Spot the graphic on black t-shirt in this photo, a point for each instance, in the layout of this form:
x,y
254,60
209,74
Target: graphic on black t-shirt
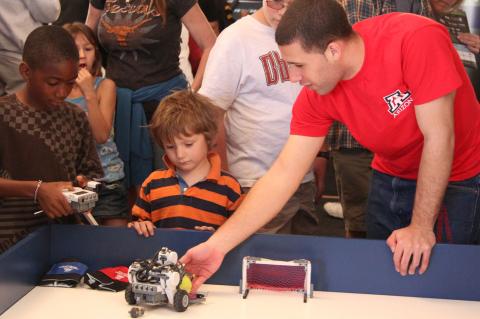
x,y
130,25
142,42
129,33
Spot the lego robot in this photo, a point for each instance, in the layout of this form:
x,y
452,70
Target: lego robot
x,y
159,281
82,200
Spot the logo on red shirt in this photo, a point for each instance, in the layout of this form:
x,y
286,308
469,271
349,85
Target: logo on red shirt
x,y
398,102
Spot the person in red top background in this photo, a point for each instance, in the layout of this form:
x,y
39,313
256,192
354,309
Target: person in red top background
x,y
400,87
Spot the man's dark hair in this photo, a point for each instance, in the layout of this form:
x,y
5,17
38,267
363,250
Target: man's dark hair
x,y
315,23
49,44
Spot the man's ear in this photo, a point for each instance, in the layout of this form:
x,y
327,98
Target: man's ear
x,y
24,70
333,51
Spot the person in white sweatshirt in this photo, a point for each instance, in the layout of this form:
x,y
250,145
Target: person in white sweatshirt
x,y
248,80
17,19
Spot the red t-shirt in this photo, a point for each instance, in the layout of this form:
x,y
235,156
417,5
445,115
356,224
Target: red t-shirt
x,y
408,62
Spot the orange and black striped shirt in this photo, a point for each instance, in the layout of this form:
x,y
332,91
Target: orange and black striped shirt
x,y
207,203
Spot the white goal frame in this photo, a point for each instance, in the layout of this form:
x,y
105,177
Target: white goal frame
x,y
307,286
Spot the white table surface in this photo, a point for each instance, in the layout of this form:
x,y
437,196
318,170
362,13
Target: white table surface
x,y
225,302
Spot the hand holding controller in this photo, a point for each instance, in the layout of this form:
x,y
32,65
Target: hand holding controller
x,y
82,200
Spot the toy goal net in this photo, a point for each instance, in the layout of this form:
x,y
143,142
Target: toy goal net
x,y
261,273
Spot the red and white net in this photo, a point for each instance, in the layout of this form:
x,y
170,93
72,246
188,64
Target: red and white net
x,y
267,274
275,277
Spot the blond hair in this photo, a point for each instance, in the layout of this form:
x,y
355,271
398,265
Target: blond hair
x,y
184,113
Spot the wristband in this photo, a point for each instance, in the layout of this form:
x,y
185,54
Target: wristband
x,y
36,190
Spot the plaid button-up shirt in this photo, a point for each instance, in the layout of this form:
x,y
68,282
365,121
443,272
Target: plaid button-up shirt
x,y
358,10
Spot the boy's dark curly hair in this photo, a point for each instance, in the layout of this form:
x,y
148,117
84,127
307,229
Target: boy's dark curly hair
x,y
49,44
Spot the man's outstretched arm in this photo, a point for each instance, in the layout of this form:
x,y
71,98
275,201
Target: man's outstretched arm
x,y
262,203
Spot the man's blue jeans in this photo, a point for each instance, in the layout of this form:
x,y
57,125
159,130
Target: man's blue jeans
x,y
390,205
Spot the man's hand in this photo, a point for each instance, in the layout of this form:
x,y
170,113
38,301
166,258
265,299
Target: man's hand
x,y
52,201
411,247
143,227
202,261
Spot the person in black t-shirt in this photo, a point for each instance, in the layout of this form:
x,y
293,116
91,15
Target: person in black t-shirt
x,y
142,40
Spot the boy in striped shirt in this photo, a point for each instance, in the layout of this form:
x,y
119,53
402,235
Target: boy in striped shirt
x,y
193,192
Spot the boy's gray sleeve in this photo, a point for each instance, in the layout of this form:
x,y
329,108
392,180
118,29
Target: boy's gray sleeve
x,y
43,11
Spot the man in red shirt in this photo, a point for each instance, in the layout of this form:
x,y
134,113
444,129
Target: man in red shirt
x,y
398,84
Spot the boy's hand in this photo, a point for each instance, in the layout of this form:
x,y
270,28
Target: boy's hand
x,y
205,228
82,180
143,227
51,199
85,82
